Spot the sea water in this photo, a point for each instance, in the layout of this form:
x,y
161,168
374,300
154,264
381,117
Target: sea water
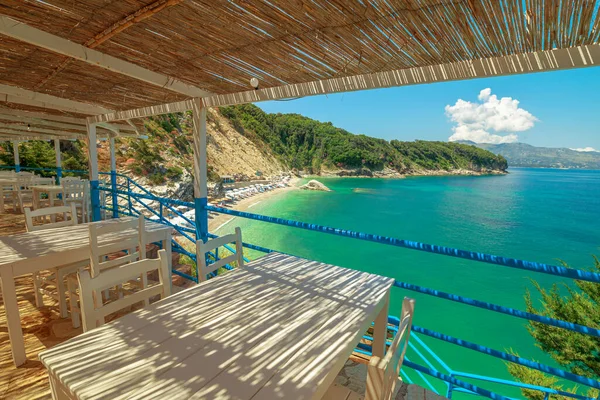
x,y
539,215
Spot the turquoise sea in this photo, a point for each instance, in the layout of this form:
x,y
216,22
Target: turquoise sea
x,y
533,214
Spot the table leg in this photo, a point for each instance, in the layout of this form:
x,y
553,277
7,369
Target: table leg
x,y
13,318
380,328
166,245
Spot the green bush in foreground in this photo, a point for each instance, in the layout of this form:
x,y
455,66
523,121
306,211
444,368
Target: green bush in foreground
x,y
580,354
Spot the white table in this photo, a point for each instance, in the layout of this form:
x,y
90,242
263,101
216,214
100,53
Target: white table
x,y
282,327
51,190
31,252
4,182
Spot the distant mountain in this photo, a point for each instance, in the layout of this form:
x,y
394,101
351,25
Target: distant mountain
x,y
525,155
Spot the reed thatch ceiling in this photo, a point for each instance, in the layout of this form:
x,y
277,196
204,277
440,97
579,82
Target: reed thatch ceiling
x,y
218,45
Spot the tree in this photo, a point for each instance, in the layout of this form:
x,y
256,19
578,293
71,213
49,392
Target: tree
x,y
575,352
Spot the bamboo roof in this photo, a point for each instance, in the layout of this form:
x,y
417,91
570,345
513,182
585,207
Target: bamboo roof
x,y
217,46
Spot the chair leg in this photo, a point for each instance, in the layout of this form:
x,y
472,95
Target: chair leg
x,y
37,287
72,290
62,293
144,286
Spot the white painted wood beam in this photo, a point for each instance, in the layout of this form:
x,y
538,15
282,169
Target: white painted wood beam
x,y
18,135
179,106
57,153
59,118
25,33
44,122
16,154
24,128
13,94
541,61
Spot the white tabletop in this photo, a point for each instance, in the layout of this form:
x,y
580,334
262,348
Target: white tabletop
x,y
281,327
34,247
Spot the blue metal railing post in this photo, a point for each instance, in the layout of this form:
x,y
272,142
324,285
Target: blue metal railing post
x,y
58,175
450,388
129,195
201,218
95,194
115,200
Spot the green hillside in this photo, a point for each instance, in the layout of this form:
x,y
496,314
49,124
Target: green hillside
x,y
310,145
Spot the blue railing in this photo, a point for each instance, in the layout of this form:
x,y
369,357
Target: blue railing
x,y
127,201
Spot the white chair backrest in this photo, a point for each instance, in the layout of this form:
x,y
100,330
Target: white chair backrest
x,y
383,373
70,178
41,181
46,212
73,189
123,239
92,308
203,248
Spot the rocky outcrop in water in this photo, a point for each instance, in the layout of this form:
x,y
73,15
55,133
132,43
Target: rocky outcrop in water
x,y
315,185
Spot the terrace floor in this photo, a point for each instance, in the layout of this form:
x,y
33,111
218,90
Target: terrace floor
x,y
43,328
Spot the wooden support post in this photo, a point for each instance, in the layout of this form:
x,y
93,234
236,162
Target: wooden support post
x,y
16,154
58,161
113,178
93,168
380,329
200,170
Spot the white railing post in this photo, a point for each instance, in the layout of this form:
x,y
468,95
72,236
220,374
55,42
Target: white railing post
x,y
93,168
16,154
58,161
200,170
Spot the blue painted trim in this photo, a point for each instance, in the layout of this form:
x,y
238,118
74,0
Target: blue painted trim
x,y
58,175
501,309
448,251
115,200
454,381
509,357
17,168
200,206
95,197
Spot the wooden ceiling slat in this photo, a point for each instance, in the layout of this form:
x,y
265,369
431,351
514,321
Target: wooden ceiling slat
x,y
219,45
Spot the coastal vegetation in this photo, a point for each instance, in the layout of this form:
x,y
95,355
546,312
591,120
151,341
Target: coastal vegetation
x,y
40,154
310,145
574,351
244,140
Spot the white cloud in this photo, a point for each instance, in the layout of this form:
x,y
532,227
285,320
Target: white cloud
x,y
491,120
587,149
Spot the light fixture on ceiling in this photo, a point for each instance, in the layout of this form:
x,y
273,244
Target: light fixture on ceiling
x,y
254,83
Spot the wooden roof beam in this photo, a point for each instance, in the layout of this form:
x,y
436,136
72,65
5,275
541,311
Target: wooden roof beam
x,y
23,128
13,94
541,61
59,118
28,34
179,106
18,135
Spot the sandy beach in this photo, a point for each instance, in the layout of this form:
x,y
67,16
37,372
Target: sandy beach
x,y
217,220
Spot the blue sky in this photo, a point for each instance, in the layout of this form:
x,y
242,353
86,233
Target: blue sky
x,y
565,103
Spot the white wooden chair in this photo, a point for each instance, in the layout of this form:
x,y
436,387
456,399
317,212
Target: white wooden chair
x,y
9,194
93,309
75,192
382,373
56,279
23,192
111,245
202,248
